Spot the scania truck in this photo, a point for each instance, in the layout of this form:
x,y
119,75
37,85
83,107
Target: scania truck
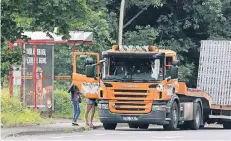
x,y
139,85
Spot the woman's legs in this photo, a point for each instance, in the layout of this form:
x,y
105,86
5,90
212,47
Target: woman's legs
x,y
86,114
90,106
76,111
92,114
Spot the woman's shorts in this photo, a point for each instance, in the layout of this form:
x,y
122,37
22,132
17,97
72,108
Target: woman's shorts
x,y
90,101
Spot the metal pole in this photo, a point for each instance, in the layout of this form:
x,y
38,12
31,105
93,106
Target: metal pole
x,y
120,37
73,48
22,79
74,59
11,72
35,78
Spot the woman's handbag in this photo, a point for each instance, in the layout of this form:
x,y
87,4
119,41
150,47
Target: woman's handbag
x,y
80,99
96,103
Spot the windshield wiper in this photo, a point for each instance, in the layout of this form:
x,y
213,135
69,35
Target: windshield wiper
x,y
143,80
116,79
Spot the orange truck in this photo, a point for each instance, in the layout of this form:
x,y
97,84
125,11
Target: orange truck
x,y
140,86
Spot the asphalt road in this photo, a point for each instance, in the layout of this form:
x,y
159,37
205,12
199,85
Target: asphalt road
x,y
124,133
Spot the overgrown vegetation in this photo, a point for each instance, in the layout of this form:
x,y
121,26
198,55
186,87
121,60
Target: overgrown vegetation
x,y
14,114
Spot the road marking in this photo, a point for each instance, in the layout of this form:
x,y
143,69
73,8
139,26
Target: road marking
x,y
122,133
167,137
110,134
98,134
66,136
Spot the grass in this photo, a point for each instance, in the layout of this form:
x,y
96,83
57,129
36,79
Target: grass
x,y
14,114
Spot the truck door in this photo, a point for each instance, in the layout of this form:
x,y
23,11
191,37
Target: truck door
x,y
87,86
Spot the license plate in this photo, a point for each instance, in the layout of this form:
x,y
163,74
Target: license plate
x,y
130,118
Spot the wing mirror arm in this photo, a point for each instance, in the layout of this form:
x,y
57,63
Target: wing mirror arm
x,y
101,61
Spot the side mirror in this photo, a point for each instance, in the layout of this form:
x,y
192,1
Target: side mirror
x,y
174,72
89,61
90,71
176,63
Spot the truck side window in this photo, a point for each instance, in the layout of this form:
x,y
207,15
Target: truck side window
x,y
168,65
80,66
81,63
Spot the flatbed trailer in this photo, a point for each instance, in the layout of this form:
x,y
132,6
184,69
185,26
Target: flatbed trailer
x,y
212,113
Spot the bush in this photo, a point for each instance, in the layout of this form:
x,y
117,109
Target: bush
x,y
63,106
14,114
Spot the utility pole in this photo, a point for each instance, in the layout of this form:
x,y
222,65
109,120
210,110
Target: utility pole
x,y
121,25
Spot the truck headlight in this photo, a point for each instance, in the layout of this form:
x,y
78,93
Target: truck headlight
x,y
103,106
160,87
158,107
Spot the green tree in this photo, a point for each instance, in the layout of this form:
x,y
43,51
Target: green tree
x,y
42,15
102,23
180,26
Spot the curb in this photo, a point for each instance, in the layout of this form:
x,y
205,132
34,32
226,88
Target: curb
x,y
55,131
47,131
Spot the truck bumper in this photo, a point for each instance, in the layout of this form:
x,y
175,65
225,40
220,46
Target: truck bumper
x,y
154,117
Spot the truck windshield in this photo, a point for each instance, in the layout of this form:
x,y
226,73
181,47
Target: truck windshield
x,y
133,69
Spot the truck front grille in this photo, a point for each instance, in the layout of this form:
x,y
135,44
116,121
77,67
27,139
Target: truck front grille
x,y
131,91
130,101
130,96
121,94
130,106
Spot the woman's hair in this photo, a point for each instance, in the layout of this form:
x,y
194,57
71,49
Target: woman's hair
x,y
75,88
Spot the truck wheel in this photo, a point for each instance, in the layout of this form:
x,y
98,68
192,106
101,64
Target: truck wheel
x,y
109,126
227,125
195,124
174,115
143,126
133,125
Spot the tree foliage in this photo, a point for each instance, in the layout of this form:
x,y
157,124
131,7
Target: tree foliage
x,y
181,25
174,24
43,15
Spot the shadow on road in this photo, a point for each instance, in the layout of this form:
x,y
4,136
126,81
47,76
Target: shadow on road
x,y
161,129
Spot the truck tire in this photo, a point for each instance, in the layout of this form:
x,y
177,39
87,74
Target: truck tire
x,y
109,126
174,115
133,125
195,123
143,126
227,125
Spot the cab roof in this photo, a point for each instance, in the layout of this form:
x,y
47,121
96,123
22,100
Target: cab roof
x,y
139,50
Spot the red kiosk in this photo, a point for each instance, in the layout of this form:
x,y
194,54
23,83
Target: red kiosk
x,y
38,44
